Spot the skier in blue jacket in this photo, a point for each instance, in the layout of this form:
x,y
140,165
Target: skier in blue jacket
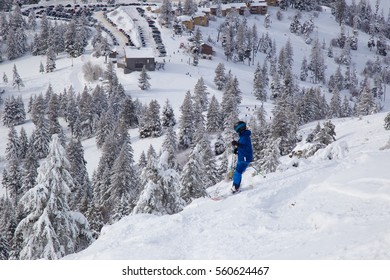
x,y
243,149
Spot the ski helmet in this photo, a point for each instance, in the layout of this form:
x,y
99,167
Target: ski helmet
x,y
240,126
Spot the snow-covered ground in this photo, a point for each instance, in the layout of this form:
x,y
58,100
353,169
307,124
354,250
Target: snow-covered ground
x,y
322,209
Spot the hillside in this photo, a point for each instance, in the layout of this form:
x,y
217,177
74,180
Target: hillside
x,y
322,209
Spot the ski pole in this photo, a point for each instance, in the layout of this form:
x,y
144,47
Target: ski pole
x,y
257,171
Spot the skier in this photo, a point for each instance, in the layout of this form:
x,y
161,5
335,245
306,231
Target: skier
x,y
244,152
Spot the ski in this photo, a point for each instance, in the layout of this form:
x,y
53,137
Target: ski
x,y
226,195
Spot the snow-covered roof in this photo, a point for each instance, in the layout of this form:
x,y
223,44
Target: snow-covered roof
x,y
131,52
259,4
198,14
184,18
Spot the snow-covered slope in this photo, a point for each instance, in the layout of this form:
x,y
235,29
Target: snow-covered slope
x,y
322,209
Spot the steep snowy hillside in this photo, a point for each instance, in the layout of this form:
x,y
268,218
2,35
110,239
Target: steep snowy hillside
x,y
325,208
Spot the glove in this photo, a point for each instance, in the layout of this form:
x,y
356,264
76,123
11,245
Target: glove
x,y
234,143
235,151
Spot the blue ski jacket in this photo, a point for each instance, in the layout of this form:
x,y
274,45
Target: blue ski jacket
x,y
244,149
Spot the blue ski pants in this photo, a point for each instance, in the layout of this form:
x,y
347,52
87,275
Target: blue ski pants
x,y
237,176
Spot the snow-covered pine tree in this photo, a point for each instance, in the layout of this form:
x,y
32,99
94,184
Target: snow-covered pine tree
x,y
23,143
41,139
12,180
5,78
4,248
317,64
191,178
51,60
81,194
284,126
29,171
14,113
41,68
104,128
186,123
269,159
161,188
38,109
168,115
53,114
128,114
170,146
16,80
211,176
220,76
366,104
189,7
143,80
12,149
50,229
124,184
166,13
304,69
258,85
150,125
142,161
327,134
200,94
387,122
335,104
230,101
213,123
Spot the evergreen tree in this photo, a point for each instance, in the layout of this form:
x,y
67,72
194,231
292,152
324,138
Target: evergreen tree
x,y
214,116
366,103
258,85
4,248
326,135
316,65
129,114
346,110
81,194
186,124
41,139
170,146
200,94
104,128
12,180
304,70
17,80
24,144
14,113
143,81
219,145
41,68
161,191
168,115
5,78
191,179
284,126
166,13
150,125
12,150
387,122
50,229
29,173
335,104
124,183
220,77
230,101
50,62
269,159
